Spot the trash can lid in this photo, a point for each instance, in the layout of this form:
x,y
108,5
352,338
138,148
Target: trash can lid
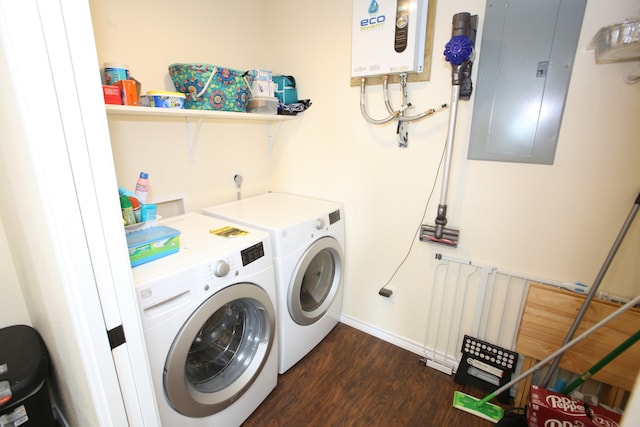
x,y
24,361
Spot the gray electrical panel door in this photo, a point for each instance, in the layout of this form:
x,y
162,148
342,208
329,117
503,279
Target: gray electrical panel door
x,y
527,53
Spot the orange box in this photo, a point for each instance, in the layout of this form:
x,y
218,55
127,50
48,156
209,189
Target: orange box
x,y
111,94
129,92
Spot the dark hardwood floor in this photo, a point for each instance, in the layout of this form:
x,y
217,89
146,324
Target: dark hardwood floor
x,y
355,379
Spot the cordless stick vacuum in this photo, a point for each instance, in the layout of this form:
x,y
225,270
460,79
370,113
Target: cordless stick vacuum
x,y
459,53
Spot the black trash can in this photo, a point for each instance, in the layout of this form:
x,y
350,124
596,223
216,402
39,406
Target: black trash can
x,y
24,367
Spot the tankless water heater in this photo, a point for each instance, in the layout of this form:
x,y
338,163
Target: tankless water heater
x,y
388,37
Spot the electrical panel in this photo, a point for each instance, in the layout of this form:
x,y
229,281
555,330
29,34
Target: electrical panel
x,y
525,65
388,37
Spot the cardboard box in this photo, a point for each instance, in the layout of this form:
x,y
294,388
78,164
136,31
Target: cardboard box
x,y
265,75
263,88
129,92
152,243
111,94
551,409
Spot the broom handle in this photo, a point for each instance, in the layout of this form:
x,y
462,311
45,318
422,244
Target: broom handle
x,y
561,350
594,287
603,362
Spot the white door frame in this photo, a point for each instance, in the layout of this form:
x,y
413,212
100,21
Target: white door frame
x,y
53,64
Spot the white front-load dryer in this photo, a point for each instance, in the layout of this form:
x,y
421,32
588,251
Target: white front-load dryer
x,y
308,246
209,320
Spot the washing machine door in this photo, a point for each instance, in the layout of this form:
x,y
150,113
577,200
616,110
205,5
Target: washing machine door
x,y
220,350
316,281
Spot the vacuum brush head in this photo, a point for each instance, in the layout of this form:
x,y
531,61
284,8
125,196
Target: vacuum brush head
x,y
445,236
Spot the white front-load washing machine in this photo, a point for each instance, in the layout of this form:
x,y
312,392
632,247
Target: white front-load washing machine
x,y
209,320
308,246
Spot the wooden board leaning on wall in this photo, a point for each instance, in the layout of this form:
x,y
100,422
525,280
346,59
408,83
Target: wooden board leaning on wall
x,y
547,317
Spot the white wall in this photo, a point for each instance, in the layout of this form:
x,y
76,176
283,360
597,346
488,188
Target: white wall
x,y
556,222
13,310
553,221
31,276
44,201
229,34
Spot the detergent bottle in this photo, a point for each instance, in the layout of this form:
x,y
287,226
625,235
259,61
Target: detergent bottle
x,y
142,187
127,210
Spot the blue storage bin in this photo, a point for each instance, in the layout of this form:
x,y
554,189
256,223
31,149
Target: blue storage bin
x,y
152,243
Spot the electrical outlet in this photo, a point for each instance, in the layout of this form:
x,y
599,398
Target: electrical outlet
x,y
391,299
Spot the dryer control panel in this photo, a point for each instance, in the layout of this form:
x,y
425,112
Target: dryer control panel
x,y
252,253
334,217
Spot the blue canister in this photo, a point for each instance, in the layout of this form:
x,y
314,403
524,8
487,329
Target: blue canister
x,y
164,99
114,72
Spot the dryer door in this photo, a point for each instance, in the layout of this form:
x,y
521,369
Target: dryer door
x,y
316,281
220,350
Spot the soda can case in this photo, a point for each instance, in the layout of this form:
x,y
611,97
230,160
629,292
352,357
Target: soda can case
x,y
551,409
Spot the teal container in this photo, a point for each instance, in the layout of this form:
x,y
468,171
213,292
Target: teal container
x,y
152,243
286,91
210,87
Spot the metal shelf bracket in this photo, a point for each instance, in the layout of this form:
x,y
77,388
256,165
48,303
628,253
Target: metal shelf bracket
x,y
272,133
193,130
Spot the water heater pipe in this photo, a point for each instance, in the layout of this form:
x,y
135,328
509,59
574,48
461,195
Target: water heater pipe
x,y
393,114
363,108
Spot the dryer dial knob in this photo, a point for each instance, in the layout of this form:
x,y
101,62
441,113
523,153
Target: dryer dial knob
x,y
319,224
221,269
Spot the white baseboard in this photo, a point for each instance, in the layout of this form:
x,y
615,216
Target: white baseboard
x,y
404,343
387,336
